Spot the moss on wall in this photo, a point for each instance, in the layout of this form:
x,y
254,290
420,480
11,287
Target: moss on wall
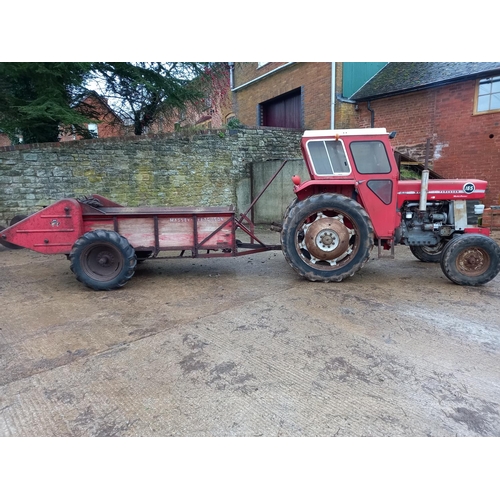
x,y
168,170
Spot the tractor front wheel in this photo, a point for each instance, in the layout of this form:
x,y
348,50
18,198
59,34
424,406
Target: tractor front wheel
x,y
471,259
103,260
327,237
428,253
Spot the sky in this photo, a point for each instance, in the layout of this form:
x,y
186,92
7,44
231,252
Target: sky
x,y
199,31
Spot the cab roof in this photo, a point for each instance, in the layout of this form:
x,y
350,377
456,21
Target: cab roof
x,y
345,132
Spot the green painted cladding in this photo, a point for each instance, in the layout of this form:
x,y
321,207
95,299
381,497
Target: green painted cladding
x,y
356,74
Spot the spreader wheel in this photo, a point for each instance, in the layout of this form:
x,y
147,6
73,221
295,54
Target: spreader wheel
x,y
6,244
142,255
103,260
429,253
17,218
14,220
327,237
471,259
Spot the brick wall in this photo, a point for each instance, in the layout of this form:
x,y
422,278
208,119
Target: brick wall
x,y
169,170
346,115
462,144
4,140
313,78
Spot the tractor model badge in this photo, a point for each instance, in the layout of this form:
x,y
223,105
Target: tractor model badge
x,y
469,187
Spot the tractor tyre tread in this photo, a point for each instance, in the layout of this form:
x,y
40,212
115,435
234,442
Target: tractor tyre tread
x,y
299,210
421,254
456,246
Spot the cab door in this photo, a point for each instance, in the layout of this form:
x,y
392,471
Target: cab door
x,y
377,178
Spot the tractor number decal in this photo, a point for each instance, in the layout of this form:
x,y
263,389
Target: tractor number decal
x,y
469,187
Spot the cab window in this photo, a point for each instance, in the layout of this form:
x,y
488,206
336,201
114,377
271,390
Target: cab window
x,y
370,157
328,157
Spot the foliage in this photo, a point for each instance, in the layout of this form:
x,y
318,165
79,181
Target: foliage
x,y
406,173
234,123
35,98
140,93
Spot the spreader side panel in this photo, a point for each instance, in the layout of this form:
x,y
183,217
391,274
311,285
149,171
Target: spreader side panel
x,y
52,230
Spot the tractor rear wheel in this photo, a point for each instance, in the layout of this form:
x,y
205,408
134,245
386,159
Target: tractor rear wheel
x,y
429,253
327,237
471,259
103,260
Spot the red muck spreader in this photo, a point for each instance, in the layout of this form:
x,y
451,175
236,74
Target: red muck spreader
x,y
353,200
105,240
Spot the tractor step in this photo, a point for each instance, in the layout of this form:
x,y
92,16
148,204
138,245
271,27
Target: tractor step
x,y
381,248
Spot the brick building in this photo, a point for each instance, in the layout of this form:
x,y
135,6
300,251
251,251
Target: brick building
x,y
455,107
212,112
106,124
4,139
300,95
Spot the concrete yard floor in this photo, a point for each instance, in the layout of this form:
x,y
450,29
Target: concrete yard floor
x,y
245,347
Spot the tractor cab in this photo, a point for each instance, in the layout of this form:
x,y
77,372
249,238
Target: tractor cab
x,y
358,163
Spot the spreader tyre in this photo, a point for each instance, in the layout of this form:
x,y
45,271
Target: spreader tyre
x,y
429,253
14,220
327,237
17,218
142,255
6,244
471,259
103,260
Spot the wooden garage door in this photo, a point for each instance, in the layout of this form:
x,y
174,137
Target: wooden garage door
x,y
284,111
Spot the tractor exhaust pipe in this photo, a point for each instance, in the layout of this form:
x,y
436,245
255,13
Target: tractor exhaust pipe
x,y
424,187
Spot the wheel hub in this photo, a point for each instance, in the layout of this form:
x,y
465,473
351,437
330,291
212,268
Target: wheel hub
x,y
105,259
473,262
327,238
101,262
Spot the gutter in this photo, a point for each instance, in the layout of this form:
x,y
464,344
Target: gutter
x,y
344,99
255,80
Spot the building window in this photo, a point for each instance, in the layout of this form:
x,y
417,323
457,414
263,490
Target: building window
x,y
93,129
488,95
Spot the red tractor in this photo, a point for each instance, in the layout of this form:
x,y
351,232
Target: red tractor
x,y
355,200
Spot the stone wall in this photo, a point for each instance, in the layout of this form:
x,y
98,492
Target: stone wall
x,y
206,169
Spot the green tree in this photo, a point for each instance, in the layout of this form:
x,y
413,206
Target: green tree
x,y
142,92
37,98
